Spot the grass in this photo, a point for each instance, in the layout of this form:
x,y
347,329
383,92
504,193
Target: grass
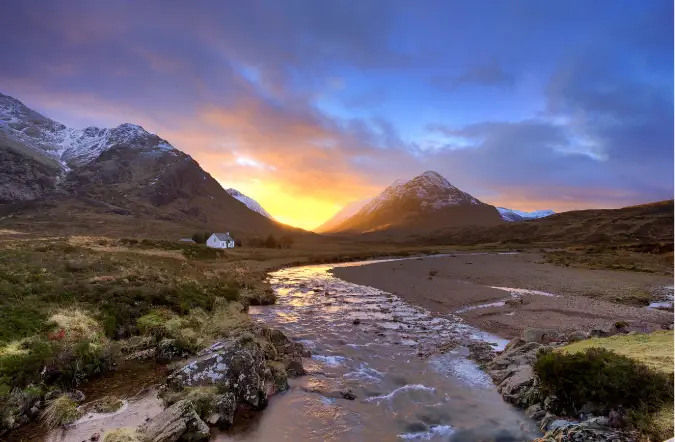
x,y
203,399
60,411
106,404
654,350
643,258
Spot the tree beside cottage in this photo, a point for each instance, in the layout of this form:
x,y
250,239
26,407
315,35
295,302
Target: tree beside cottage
x,y
220,241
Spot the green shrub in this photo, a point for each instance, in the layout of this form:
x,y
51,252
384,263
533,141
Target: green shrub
x,y
20,321
603,377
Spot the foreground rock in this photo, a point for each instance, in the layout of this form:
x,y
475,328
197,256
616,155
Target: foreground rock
x,y
242,372
178,422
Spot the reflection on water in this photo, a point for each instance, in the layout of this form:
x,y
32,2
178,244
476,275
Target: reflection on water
x,y
366,342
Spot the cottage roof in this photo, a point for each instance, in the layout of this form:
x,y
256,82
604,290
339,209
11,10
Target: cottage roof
x,y
223,236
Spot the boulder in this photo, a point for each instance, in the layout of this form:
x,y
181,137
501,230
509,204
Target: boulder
x,y
576,336
515,387
535,412
178,422
517,352
541,335
236,366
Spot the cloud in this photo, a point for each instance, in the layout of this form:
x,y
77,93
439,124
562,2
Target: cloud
x,y
491,75
237,86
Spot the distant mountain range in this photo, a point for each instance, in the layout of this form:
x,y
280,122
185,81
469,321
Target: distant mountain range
x,y
519,215
51,171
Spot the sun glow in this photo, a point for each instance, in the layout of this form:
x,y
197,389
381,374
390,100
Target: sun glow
x,y
301,211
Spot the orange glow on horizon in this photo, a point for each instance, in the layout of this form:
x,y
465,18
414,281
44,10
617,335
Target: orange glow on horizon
x,y
301,211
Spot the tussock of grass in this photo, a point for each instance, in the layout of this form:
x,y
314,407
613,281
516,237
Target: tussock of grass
x,y
77,325
122,435
198,328
60,411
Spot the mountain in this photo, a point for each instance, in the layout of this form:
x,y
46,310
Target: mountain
x,y
109,176
250,202
344,213
426,202
518,215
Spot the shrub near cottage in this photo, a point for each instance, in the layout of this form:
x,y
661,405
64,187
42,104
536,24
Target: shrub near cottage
x,y
603,377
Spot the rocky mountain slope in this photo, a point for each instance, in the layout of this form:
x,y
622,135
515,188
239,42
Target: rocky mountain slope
x,y
250,202
519,215
426,202
51,171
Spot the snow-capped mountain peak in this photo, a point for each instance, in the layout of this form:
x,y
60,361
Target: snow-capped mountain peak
x,y
69,146
250,202
519,215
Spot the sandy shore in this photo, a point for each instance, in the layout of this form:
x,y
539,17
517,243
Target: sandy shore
x,y
451,284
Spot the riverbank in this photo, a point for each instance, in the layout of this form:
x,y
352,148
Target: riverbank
x,y
463,283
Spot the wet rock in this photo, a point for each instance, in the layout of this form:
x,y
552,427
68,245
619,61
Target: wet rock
x,y
236,366
541,335
294,368
517,352
515,302
356,321
348,395
587,431
535,412
95,437
178,422
481,352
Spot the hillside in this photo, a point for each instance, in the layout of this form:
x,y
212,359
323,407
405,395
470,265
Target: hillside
x,y
644,224
425,203
109,178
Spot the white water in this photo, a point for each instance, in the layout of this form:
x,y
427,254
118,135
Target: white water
x,y
399,395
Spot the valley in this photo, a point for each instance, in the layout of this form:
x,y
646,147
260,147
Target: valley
x,y
95,286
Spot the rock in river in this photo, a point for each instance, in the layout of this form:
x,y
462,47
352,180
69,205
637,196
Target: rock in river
x,y
178,422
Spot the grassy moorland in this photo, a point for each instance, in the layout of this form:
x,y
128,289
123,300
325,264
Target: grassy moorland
x,y
74,307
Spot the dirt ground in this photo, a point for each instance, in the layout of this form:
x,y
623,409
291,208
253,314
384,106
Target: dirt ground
x,y
583,298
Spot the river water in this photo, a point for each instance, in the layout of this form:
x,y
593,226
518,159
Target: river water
x,y
399,395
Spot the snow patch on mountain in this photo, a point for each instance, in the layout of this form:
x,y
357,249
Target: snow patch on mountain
x,y
250,202
432,190
519,215
67,145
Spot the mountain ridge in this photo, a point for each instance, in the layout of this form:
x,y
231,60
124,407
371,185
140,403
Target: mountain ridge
x,y
122,171
427,201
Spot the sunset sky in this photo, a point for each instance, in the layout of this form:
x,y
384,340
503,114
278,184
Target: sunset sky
x,y
307,105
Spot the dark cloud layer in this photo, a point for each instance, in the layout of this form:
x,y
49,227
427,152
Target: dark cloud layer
x,y
332,99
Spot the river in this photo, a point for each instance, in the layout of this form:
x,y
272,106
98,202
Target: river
x,y
366,342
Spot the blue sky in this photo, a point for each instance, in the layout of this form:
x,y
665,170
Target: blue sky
x,y
308,105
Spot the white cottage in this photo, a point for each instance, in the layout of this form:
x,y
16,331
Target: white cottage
x,y
220,241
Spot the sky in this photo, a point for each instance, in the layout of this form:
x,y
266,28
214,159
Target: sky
x,y
308,105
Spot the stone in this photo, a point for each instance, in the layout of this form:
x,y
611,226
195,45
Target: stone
x,y
178,422
237,366
348,395
517,383
541,335
294,368
597,333
535,412
356,321
577,336
95,437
